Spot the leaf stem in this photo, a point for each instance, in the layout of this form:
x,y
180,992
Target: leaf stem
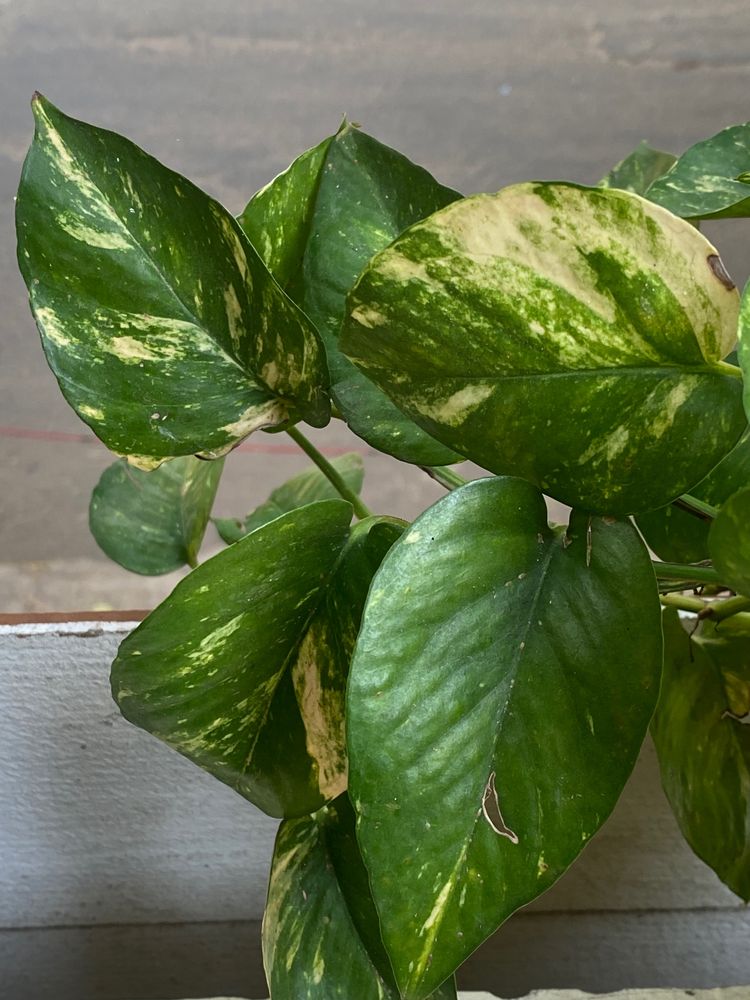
x,y
720,610
444,475
705,511
683,602
726,368
690,574
329,472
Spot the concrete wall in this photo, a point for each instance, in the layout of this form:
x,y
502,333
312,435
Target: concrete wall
x,y
125,871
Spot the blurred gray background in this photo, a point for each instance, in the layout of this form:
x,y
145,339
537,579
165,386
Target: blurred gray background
x,y
481,92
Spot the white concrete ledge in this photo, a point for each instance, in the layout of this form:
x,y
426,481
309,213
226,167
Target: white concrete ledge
x,y
125,871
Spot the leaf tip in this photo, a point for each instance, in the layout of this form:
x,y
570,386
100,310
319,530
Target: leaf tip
x,y
39,103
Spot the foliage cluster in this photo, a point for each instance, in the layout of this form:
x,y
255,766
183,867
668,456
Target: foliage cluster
x,y
444,712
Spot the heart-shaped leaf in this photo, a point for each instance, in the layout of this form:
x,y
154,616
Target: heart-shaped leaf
x,y
164,327
678,536
499,694
500,691
704,747
305,488
639,169
711,180
569,335
316,225
243,668
320,930
153,522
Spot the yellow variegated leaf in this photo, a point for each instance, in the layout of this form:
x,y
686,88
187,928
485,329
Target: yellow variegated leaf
x,y
164,327
572,336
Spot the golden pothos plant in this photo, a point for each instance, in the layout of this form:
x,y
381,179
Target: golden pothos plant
x,y
441,713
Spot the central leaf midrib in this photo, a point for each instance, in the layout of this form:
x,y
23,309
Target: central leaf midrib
x,y
665,371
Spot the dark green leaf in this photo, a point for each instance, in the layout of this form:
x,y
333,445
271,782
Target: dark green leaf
x,y
305,488
164,327
153,522
709,181
678,536
320,931
572,336
639,169
317,225
729,542
499,694
704,750
743,345
243,667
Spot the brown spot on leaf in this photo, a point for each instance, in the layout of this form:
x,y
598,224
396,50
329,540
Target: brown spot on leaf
x,y
717,266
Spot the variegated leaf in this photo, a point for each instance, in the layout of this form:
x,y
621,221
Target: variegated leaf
x,y
243,668
305,488
743,345
729,542
153,522
321,938
677,535
704,746
499,694
711,180
639,169
569,335
164,327
316,225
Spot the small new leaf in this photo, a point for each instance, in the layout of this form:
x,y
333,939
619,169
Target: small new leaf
x,y
153,522
639,169
305,488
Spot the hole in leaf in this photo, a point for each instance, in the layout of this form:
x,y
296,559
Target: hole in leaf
x,y
491,810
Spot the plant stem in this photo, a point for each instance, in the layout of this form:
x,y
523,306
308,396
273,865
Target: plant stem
x,y
728,369
725,609
691,574
330,473
444,475
696,507
683,603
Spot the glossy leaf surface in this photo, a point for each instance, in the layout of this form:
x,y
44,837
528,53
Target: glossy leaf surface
x,y
704,747
320,930
567,335
243,667
499,694
639,169
711,180
317,225
678,536
164,327
305,488
153,522
743,344
729,542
